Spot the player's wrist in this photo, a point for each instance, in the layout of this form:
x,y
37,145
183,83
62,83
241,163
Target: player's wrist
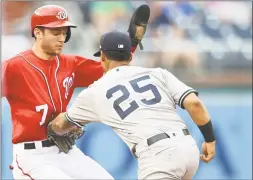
x,y
207,131
50,129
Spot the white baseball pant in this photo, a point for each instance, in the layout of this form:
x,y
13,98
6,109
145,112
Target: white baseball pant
x,y
173,158
48,163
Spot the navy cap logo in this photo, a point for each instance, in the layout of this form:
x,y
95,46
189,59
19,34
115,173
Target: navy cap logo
x,y
120,46
114,41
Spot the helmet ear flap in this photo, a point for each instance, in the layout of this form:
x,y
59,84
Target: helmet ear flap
x,y
68,35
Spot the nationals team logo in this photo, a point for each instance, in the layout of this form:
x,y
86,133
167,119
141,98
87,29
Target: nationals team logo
x,y
62,15
67,84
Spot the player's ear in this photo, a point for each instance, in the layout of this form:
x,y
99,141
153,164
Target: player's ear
x,y
38,33
102,56
131,57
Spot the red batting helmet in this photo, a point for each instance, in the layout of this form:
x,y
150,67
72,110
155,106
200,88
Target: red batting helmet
x,y
51,16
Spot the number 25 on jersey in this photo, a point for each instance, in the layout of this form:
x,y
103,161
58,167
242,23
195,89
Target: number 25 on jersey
x,y
125,95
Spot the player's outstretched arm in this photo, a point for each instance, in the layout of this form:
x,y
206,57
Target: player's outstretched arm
x,y
60,125
138,25
63,133
81,112
201,118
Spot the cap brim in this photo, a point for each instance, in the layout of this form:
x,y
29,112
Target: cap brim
x,y
97,54
58,24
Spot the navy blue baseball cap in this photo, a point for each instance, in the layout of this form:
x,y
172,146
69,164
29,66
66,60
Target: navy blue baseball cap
x,y
114,41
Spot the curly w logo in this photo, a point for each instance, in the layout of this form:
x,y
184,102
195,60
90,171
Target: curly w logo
x,y
67,84
62,15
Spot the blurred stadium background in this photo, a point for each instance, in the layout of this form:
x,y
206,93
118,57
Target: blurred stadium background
x,y
208,45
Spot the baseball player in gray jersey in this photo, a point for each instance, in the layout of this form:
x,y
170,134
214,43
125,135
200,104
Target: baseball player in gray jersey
x,y
140,105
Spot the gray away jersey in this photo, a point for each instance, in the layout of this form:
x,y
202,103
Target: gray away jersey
x,y
136,102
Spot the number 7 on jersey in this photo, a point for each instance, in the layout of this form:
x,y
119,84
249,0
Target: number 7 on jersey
x,y
43,107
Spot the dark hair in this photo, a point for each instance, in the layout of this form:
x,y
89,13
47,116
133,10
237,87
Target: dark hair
x,y
117,55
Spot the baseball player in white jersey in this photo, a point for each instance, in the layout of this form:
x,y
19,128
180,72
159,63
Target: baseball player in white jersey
x,y
140,105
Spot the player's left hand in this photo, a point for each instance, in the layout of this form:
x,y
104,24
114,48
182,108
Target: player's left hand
x,y
65,142
208,151
138,25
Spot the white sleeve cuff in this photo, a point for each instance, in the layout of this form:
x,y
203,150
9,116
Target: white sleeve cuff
x,y
184,95
72,121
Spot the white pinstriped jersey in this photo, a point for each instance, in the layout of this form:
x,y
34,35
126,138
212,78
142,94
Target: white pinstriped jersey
x,y
136,102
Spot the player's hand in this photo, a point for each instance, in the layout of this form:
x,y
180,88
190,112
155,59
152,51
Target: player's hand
x,y
208,151
66,141
138,25
76,133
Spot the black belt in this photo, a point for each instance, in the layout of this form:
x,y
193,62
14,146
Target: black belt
x,y
161,136
45,143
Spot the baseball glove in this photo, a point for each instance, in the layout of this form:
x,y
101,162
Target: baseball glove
x,y
138,25
65,142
